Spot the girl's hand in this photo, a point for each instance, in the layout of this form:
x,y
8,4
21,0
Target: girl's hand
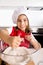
x,y
28,37
33,41
16,41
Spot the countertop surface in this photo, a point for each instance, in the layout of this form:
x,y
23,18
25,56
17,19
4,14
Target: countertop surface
x,y
37,57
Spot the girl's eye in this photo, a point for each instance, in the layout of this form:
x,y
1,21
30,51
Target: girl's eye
x,y
24,19
19,20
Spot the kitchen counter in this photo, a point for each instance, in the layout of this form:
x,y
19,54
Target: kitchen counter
x,y
37,57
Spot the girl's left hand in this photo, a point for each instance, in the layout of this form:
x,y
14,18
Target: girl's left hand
x,y
28,37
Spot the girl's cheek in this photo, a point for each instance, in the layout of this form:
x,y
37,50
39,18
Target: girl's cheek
x,y
26,23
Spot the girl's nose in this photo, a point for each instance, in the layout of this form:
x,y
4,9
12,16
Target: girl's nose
x,y
22,22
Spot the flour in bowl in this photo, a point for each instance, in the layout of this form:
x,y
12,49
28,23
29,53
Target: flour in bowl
x,y
16,55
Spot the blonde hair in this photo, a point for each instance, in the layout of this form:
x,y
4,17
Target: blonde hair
x,y
28,29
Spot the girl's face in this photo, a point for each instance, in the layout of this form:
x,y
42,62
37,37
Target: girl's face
x,y
22,22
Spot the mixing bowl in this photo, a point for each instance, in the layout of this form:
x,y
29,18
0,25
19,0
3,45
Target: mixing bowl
x,y
17,56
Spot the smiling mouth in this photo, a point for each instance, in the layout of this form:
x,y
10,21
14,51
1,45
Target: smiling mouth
x,y
22,26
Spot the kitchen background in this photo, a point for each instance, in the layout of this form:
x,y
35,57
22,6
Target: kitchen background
x,y
35,20
35,16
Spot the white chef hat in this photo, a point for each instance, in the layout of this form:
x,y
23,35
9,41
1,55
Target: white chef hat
x,y
19,11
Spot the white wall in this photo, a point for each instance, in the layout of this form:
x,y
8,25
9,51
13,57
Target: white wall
x,y
6,17
21,3
36,18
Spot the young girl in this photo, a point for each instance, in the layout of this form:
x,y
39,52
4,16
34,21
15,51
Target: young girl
x,y
21,34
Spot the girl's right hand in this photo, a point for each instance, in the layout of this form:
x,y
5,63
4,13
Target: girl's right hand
x,y
16,41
